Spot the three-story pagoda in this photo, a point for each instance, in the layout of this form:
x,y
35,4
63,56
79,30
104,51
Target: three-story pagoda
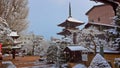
x,y
70,26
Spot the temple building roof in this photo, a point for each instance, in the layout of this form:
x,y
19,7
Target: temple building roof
x,y
71,22
76,48
65,32
99,24
96,6
113,3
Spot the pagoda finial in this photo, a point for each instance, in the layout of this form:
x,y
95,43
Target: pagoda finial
x,y
70,9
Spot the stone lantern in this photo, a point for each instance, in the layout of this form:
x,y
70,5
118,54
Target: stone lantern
x,y
14,36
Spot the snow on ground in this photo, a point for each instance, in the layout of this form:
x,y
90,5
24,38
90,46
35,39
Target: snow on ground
x,y
9,64
79,66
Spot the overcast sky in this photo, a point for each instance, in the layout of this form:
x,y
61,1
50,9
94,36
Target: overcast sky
x,y
45,15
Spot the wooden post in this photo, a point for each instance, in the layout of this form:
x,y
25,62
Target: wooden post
x,y
0,59
74,38
0,63
13,53
0,55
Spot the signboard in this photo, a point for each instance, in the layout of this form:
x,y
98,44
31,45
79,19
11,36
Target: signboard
x,y
84,57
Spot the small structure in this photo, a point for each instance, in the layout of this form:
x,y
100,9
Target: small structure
x,y
13,41
14,35
74,53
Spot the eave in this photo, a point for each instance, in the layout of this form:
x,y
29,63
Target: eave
x,y
65,32
71,22
98,24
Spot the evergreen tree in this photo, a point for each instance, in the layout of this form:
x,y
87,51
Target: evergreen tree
x,y
117,22
99,62
117,18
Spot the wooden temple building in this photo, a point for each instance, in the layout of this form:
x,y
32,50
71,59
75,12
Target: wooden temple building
x,y
102,20
113,3
70,26
74,53
101,17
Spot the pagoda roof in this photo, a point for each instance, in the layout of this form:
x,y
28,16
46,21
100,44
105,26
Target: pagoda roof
x,y
71,22
94,23
64,32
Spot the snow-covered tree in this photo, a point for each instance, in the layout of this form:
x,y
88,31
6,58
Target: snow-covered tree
x,y
117,18
15,13
117,22
99,62
52,53
41,48
55,54
93,39
89,39
4,31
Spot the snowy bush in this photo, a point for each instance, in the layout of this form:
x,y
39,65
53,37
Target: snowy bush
x,y
99,62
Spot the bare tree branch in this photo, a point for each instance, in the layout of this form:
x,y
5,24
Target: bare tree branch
x,y
15,12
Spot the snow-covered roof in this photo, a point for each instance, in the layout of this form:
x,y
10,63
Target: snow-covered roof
x,y
14,33
74,20
17,42
91,31
12,47
110,25
15,47
64,32
76,48
108,51
72,31
66,39
111,51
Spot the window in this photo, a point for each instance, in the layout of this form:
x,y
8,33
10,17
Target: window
x,y
28,38
91,20
99,19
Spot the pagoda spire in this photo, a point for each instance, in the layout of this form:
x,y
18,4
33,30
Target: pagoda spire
x,y
70,10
